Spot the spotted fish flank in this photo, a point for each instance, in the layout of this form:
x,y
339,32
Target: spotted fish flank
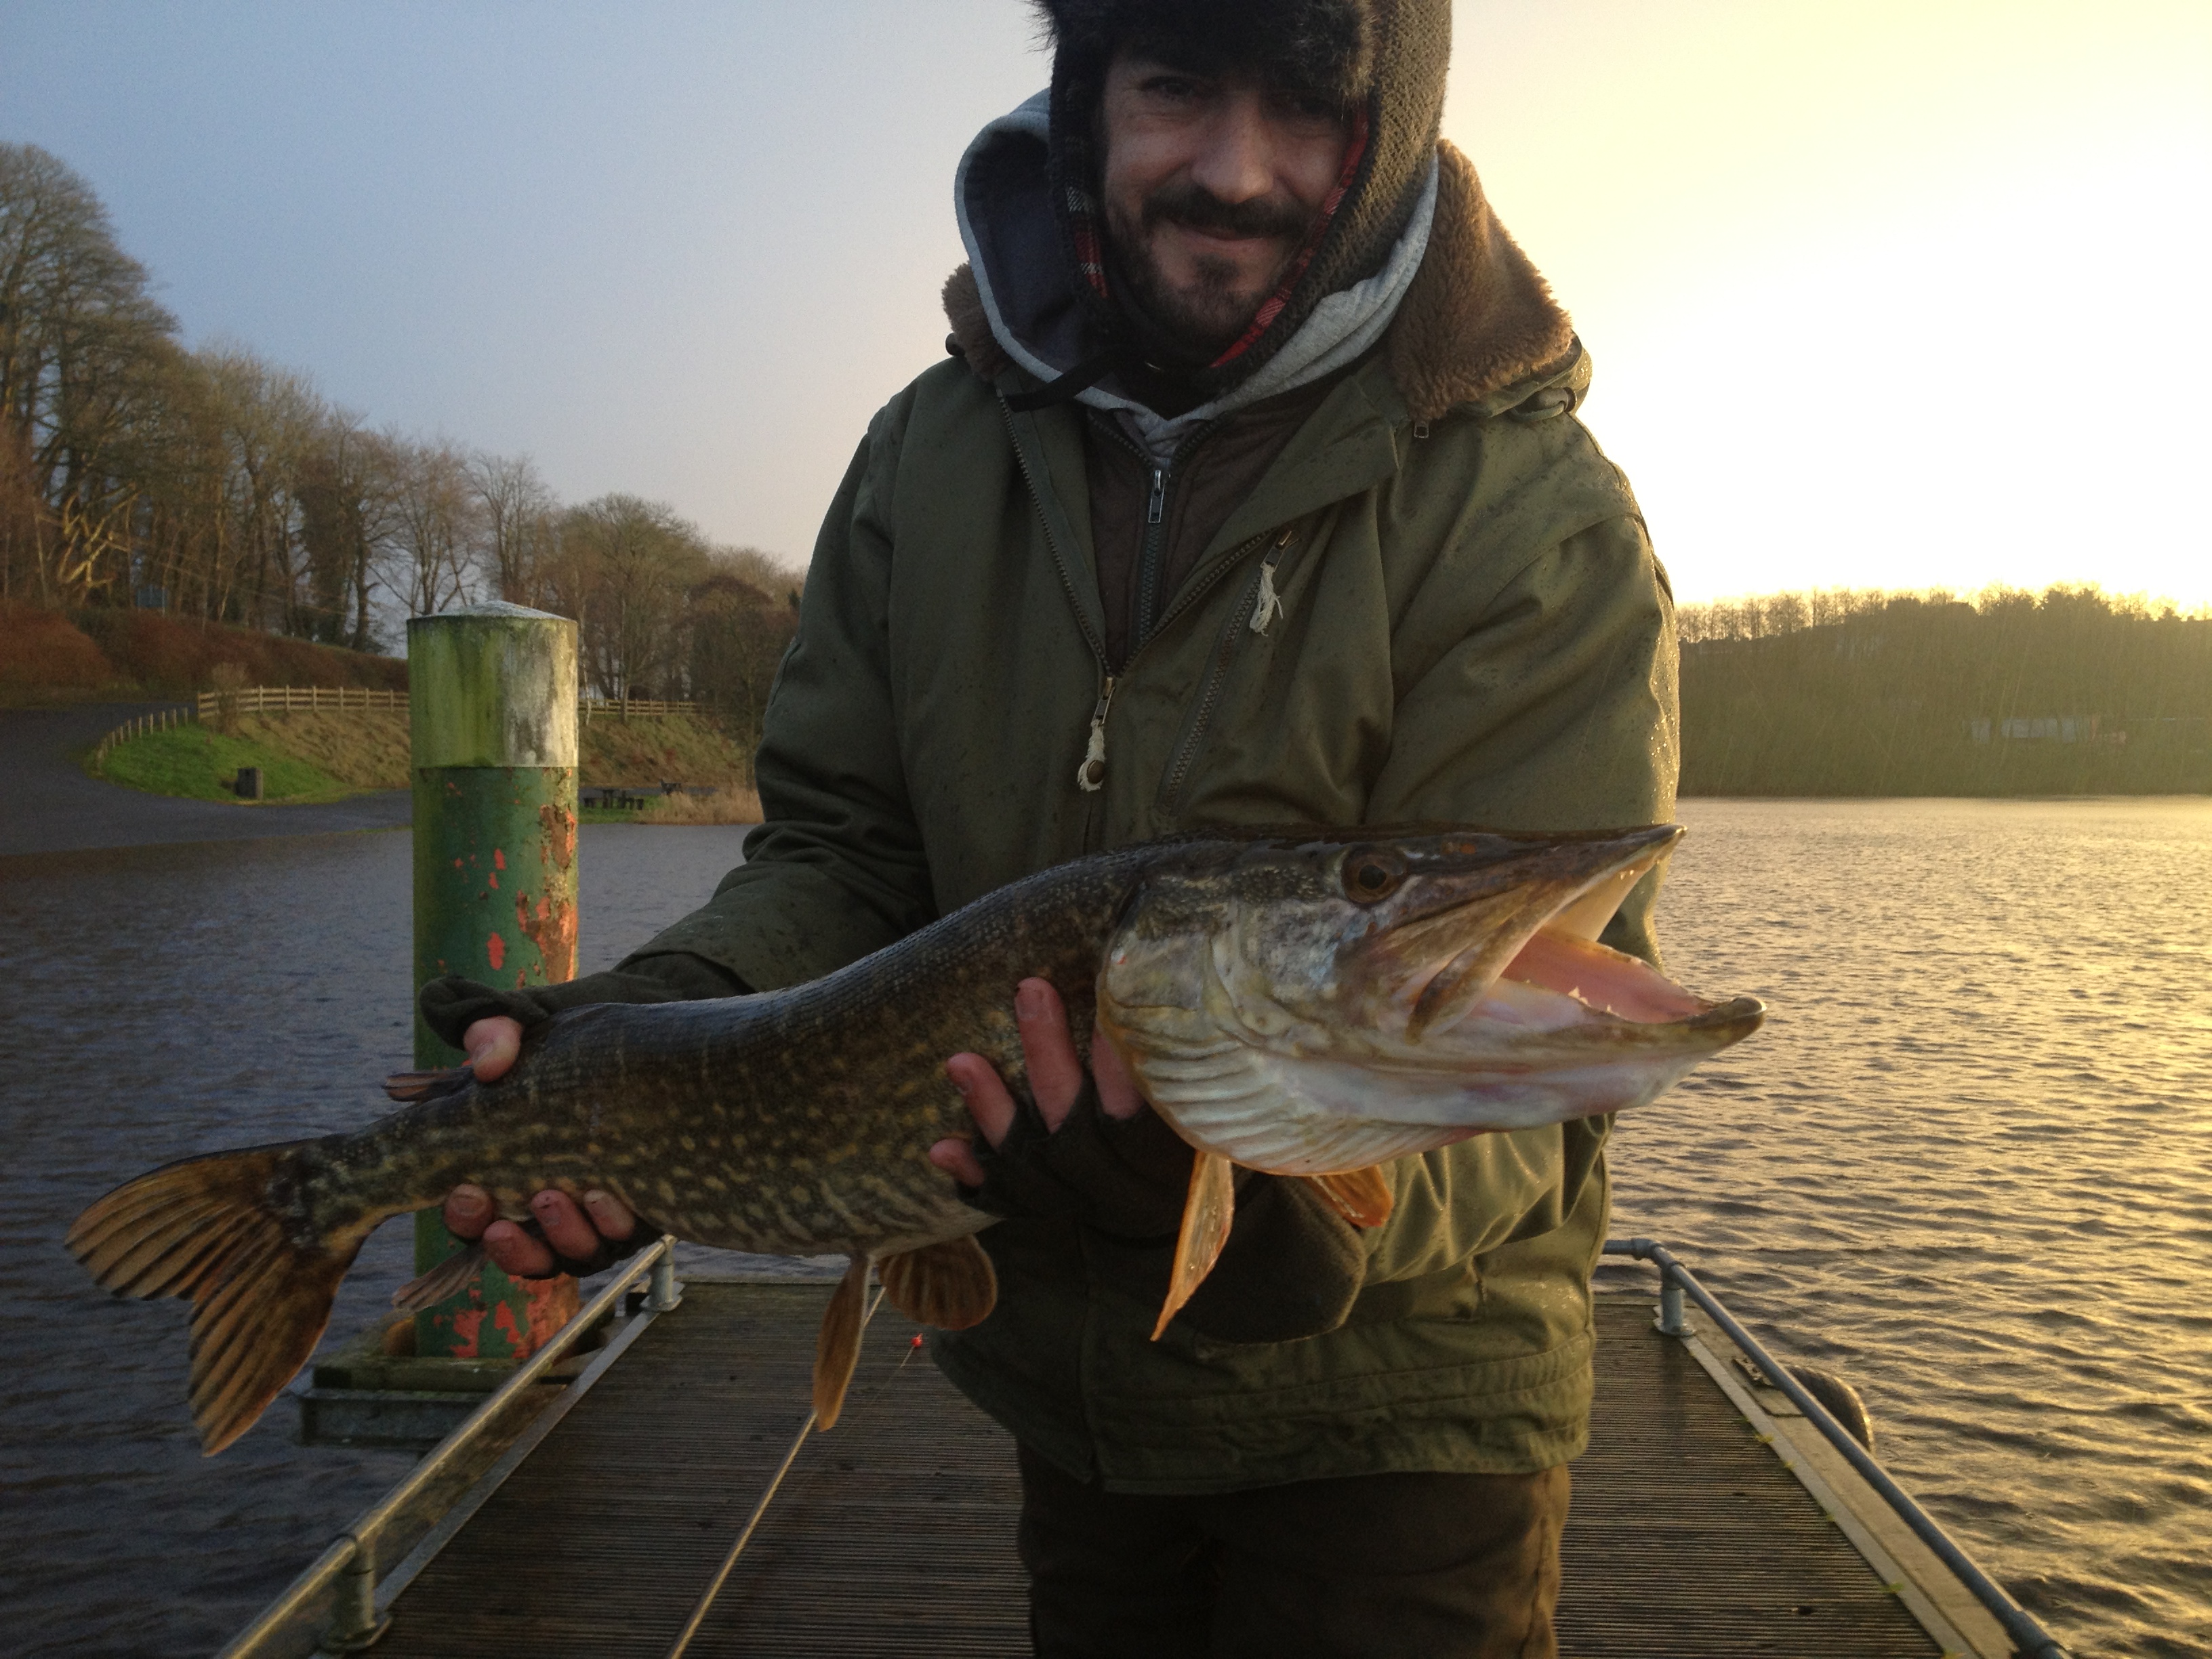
x,y
1314,1002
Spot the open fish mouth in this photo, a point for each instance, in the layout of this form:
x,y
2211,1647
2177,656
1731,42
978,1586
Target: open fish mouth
x,y
1325,1006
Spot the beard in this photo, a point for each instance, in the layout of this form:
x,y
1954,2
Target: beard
x,y
1201,317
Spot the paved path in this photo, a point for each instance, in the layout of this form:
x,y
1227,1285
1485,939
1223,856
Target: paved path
x,y
49,804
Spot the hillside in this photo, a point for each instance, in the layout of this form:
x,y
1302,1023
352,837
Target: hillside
x,y
55,656
2067,693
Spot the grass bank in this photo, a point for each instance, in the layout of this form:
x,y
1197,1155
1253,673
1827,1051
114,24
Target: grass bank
x,y
327,754
201,763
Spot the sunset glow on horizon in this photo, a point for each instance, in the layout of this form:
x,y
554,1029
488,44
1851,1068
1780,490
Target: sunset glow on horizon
x,y
1887,295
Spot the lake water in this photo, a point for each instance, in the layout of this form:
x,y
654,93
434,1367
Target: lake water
x,y
1968,1163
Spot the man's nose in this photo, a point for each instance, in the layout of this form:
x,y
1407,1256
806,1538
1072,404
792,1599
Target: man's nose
x,y
1237,161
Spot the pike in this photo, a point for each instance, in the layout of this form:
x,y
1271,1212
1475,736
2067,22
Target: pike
x,y
1311,1004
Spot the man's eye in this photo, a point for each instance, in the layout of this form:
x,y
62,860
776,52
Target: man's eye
x,y
1311,109
1175,87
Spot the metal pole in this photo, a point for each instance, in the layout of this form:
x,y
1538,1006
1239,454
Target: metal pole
x,y
493,731
2031,1640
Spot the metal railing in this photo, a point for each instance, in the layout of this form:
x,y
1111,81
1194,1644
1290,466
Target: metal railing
x,y
2029,1639
348,1569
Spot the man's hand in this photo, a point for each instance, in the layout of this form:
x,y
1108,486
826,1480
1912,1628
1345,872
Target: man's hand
x,y
1055,1080
572,1230
491,1046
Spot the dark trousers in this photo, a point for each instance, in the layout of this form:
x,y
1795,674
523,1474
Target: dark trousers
x,y
1376,1566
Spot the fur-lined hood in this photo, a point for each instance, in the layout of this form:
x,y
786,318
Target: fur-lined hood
x,y
1477,321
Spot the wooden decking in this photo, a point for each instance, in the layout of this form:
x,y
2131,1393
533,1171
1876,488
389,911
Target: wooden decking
x,y
894,1534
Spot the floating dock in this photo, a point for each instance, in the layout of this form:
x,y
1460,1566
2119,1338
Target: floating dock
x,y
1712,1516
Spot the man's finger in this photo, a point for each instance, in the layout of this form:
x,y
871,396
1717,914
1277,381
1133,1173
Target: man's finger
x,y
469,1210
505,1243
1118,1095
989,1102
957,1159
609,1215
491,1045
1047,1050
564,1225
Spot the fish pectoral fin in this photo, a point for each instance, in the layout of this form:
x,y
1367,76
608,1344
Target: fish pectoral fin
x,y
411,1087
449,1278
1206,1213
837,1348
1360,1196
951,1284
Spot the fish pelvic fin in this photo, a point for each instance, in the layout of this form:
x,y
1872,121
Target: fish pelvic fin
x,y
1207,1212
1362,1197
837,1348
951,1284
223,1230
449,1278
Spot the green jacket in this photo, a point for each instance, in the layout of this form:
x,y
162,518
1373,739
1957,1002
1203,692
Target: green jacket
x,y
1473,628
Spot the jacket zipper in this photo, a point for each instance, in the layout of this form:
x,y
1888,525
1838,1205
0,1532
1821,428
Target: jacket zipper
x,y
1090,776
1254,619
1152,558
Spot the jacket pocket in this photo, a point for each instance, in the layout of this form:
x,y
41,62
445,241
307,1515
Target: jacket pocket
x,y
1256,611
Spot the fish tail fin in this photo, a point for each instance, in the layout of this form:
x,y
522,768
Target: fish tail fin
x,y
221,1231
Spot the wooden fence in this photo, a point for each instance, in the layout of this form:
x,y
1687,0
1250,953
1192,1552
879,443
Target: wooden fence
x,y
629,708
161,720
262,699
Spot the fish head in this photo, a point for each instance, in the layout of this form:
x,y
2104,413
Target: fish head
x,y
1294,1004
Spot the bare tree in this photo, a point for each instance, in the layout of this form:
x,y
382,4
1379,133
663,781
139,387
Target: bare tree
x,y
623,568
515,509
435,530
80,355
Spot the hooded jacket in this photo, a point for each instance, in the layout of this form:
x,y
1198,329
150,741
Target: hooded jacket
x,y
1438,602
1435,601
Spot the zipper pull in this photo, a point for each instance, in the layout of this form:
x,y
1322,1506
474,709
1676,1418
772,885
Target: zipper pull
x,y
1092,774
1268,604
1152,508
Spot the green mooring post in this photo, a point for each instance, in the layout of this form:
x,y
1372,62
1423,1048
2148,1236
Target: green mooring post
x,y
492,718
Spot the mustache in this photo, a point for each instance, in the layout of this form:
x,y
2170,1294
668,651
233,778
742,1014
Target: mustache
x,y
1186,203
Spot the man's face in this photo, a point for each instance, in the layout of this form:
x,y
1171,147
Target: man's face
x,y
1211,183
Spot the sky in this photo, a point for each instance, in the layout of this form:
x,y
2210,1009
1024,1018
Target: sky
x,y
1879,294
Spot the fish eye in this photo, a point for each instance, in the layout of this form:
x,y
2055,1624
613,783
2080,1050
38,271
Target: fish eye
x,y
1371,873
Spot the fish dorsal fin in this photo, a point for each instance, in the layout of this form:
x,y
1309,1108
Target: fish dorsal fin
x,y
1206,1213
1360,1196
837,1349
411,1087
950,1285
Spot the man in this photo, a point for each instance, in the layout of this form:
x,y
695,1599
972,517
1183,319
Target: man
x,y
1252,494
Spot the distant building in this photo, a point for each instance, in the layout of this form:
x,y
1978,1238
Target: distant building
x,y
2044,728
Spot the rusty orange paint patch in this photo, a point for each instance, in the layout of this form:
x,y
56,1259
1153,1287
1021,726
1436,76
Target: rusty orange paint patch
x,y
498,861
493,879
468,1324
550,925
495,948
558,828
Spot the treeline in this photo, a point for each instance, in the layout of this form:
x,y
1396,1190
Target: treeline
x,y
211,483
1868,693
